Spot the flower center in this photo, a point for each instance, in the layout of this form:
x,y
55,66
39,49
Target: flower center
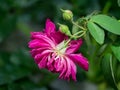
x,y
60,49
60,52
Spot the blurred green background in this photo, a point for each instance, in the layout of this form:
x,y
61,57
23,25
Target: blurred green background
x,y
17,19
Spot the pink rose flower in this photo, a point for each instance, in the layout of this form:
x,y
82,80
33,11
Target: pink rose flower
x,y
49,51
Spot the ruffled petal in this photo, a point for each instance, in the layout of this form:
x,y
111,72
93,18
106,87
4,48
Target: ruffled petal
x,y
50,27
58,37
36,33
38,57
68,71
58,65
37,51
63,71
50,62
73,70
74,45
43,62
80,60
38,44
41,38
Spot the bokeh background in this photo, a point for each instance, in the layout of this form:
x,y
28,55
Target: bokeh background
x,y
18,18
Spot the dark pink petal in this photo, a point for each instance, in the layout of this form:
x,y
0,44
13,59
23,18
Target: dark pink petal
x,y
80,60
58,37
38,44
38,57
73,70
50,27
43,62
74,45
50,65
50,62
43,39
68,71
36,33
58,65
37,51
63,71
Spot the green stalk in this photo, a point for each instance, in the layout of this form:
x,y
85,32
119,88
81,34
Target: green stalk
x,y
77,25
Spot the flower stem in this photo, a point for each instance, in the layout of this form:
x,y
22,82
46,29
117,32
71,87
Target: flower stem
x,y
77,25
62,10
74,36
66,43
78,33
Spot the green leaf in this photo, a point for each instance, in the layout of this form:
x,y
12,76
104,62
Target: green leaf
x,y
119,3
108,70
116,51
96,32
108,23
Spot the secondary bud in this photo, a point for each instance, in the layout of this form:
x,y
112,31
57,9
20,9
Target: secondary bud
x,y
64,29
67,14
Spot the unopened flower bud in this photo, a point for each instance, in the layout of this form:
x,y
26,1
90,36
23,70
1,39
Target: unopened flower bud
x,y
67,14
64,29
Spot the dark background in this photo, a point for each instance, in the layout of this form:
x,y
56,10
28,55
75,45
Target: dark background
x,y
17,19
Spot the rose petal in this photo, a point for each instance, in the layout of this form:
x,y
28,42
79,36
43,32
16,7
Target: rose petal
x,y
50,27
36,33
73,70
68,71
37,51
38,57
37,44
58,65
58,37
63,72
42,39
80,60
74,46
42,63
